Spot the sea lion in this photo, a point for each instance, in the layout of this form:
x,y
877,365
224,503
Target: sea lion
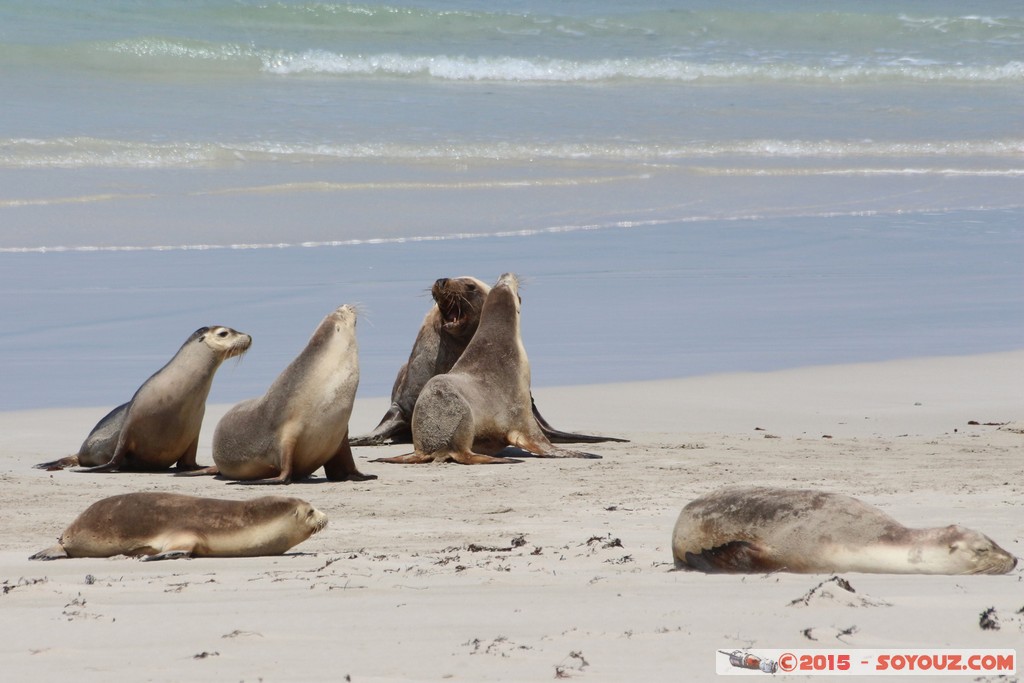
x,y
301,423
752,529
446,331
160,426
160,526
443,336
483,403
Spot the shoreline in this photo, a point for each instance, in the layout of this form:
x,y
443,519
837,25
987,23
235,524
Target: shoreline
x,y
931,397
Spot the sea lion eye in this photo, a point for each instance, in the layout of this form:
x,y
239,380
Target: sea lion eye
x,y
222,333
471,287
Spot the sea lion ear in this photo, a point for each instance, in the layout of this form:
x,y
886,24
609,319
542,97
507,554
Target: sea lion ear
x,y
200,334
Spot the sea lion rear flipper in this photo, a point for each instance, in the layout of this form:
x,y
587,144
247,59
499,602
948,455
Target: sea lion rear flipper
x,y
393,427
558,436
743,557
541,450
54,465
56,552
472,458
202,471
108,467
407,459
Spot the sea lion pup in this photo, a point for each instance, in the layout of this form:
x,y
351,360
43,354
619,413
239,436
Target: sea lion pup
x,y
160,526
446,331
301,423
483,403
750,529
160,426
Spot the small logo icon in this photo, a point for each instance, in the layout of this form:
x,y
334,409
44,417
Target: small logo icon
x,y
745,660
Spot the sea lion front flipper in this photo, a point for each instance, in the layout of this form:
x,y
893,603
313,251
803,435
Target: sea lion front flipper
x,y
168,555
285,475
558,436
732,557
187,461
342,467
55,552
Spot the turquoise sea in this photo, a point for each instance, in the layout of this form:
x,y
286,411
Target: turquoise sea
x,y
685,187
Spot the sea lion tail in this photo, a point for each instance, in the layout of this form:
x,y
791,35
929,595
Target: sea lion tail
x,y
61,464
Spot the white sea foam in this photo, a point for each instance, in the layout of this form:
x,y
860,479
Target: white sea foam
x,y
463,68
84,152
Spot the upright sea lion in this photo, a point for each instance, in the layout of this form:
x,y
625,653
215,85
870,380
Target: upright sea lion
x,y
159,526
301,423
446,331
443,336
483,403
752,529
160,425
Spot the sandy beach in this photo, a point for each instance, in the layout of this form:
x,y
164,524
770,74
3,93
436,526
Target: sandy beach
x,y
545,569
768,243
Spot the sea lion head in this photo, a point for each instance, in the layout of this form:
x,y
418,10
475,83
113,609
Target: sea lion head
x,y
224,342
459,301
309,516
271,524
970,552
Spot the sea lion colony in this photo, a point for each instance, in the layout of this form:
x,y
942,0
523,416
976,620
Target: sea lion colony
x,y
463,396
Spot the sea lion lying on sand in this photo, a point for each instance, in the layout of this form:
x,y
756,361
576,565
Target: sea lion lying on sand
x,y
756,529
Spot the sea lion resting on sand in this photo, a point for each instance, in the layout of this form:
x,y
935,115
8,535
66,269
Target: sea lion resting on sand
x,y
159,526
160,426
483,403
446,331
749,529
301,423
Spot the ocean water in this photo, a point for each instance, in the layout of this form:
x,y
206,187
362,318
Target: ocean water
x,y
685,187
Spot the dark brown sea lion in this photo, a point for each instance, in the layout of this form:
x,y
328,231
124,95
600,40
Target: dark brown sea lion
x,y
446,331
483,403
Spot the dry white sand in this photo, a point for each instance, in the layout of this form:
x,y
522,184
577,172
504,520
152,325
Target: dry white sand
x,y
546,568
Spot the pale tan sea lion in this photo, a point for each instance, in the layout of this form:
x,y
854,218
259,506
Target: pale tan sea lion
x,y
301,423
752,529
483,403
160,426
446,331
159,526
